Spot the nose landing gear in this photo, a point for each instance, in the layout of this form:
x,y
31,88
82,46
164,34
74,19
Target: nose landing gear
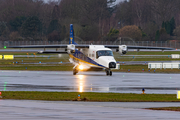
x,y
75,71
109,72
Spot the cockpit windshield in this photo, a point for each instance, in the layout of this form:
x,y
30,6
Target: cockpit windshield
x,y
104,53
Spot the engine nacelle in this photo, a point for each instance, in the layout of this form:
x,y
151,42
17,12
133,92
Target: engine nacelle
x,y
71,48
122,49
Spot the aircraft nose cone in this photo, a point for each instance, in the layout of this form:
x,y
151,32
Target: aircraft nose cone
x,y
112,65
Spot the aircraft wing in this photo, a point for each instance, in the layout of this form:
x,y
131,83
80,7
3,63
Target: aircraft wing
x,y
87,46
39,46
47,46
139,47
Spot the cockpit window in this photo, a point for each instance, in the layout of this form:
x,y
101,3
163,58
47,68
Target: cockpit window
x,y
104,53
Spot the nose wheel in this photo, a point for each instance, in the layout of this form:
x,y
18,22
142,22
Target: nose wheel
x,y
109,72
75,71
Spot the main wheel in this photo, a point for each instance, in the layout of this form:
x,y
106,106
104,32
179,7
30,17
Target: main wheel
x,y
110,73
107,72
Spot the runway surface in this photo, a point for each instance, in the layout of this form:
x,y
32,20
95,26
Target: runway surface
x,y
89,82
45,110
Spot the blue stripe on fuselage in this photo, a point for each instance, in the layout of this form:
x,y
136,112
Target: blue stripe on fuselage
x,y
83,57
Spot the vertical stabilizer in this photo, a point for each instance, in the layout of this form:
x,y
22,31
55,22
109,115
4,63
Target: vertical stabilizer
x,y
71,38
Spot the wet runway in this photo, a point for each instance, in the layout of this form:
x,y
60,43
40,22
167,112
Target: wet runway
x,y
59,110
89,82
86,82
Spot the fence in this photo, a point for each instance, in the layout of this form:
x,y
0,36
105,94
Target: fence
x,y
164,65
173,43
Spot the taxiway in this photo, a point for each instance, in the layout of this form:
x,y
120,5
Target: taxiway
x,y
89,82
51,110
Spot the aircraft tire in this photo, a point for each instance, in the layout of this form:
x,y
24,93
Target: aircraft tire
x,y
107,72
75,72
110,73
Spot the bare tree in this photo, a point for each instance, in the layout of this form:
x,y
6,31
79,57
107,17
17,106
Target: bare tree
x,y
163,10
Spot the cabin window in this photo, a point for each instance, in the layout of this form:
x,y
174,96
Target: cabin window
x,y
92,55
89,55
104,53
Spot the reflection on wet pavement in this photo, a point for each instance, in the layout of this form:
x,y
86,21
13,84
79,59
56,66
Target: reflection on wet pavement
x,y
89,82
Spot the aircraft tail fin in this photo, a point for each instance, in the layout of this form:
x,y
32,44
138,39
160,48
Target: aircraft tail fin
x,y
71,37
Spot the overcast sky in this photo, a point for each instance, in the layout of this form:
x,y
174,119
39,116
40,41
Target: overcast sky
x,y
117,1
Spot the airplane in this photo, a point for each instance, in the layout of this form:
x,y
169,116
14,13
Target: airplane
x,y
86,57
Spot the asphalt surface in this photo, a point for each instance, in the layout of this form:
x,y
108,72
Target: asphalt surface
x,y
89,82
86,82
45,110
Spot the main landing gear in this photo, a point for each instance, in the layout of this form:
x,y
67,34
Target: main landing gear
x,y
109,72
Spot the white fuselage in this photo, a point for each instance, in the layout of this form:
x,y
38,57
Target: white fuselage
x,y
103,60
97,55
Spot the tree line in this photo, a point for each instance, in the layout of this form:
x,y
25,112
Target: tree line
x,y
94,20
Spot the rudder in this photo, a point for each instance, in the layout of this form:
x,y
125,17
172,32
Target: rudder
x,y
71,38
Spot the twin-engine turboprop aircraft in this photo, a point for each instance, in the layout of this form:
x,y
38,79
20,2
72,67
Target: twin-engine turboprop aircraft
x,y
86,57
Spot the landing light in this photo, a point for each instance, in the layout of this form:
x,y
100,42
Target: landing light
x,y
81,67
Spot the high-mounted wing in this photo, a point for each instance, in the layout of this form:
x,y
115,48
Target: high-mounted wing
x,y
139,47
69,48
47,46
87,46
122,49
38,46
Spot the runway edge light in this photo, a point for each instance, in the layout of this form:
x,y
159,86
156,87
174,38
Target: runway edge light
x,y
143,91
178,94
79,97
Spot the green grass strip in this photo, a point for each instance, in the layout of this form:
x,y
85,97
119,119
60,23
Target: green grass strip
x,y
37,68
89,96
69,67
166,108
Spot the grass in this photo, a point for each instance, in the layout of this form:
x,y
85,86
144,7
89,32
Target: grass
x,y
146,58
93,97
8,64
36,60
69,67
166,108
143,59
65,58
89,96
152,52
140,68
37,68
